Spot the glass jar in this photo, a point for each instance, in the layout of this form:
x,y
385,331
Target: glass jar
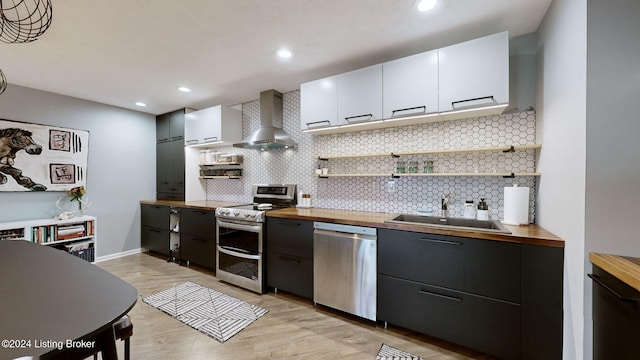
x,y
413,167
401,167
428,167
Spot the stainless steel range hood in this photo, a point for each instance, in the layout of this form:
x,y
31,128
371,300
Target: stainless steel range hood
x,y
270,134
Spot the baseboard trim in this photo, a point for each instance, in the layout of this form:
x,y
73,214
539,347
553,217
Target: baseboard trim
x,y
119,255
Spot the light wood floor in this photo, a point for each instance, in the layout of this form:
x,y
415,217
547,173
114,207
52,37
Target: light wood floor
x,y
292,329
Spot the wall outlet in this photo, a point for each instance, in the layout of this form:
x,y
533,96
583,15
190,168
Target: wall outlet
x,y
391,186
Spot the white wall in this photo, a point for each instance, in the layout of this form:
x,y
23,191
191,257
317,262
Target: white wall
x,y
613,168
561,129
120,171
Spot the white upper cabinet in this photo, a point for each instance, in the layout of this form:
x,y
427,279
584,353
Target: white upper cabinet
x,y
319,103
474,73
410,85
218,125
360,95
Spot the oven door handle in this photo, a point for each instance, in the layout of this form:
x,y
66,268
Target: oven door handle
x,y
238,254
243,227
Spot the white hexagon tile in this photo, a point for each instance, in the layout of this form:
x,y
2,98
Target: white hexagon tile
x,y
370,193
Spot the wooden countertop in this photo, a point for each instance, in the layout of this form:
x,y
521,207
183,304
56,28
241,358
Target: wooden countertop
x,y
530,234
201,204
625,268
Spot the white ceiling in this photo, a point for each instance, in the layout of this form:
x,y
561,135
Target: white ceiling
x,y
118,52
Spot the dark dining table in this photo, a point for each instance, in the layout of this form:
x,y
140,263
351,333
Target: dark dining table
x,y
54,305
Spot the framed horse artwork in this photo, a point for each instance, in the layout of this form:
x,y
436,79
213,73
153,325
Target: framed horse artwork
x,y
37,157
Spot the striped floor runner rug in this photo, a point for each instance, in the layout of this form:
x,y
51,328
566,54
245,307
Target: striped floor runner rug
x,y
387,352
211,312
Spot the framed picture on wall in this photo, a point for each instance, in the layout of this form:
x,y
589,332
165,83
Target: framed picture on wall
x,y
36,157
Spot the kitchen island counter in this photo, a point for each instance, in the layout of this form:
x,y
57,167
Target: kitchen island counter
x,y
529,234
625,268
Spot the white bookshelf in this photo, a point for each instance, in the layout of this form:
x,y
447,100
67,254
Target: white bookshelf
x,y
77,235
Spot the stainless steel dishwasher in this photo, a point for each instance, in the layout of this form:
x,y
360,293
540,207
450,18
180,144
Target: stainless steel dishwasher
x,y
344,268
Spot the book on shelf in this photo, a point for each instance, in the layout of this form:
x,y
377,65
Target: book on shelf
x,y
71,231
12,234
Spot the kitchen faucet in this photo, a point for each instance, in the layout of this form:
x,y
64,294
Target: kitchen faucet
x,y
445,205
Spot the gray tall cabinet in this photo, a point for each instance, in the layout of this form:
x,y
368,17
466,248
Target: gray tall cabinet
x,y
170,155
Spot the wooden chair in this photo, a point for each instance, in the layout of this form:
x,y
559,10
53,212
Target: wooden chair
x,y
122,329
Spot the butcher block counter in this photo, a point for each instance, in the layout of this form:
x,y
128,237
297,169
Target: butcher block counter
x,y
529,234
200,204
626,269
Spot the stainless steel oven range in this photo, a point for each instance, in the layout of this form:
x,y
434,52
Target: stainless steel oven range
x,y
240,236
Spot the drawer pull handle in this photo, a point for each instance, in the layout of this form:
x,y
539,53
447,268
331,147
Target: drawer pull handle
x,y
425,292
423,107
610,289
490,97
443,242
349,118
286,258
314,123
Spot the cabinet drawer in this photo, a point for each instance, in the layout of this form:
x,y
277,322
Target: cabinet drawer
x,y
292,237
171,189
429,310
170,196
491,326
493,269
197,222
290,273
156,216
198,250
154,239
482,267
431,259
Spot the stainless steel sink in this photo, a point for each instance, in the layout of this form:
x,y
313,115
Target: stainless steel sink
x,y
450,223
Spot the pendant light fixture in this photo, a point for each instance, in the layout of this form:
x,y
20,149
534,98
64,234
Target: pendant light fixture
x,y
3,82
23,21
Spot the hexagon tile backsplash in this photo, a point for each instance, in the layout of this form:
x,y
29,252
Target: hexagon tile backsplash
x,y
371,193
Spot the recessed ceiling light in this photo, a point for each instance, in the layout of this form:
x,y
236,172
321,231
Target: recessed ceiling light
x,y
426,5
184,89
140,103
284,53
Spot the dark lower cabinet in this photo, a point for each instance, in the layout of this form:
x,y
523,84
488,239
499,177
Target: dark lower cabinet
x,y
504,299
155,240
198,237
416,306
480,323
616,318
198,250
290,273
289,256
541,302
155,234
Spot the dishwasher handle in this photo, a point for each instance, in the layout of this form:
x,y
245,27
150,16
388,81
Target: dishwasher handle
x,y
336,234
345,229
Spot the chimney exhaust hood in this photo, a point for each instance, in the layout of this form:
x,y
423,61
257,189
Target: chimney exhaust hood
x,y
270,134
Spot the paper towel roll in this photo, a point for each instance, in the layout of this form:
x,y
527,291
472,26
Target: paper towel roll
x,y
516,205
